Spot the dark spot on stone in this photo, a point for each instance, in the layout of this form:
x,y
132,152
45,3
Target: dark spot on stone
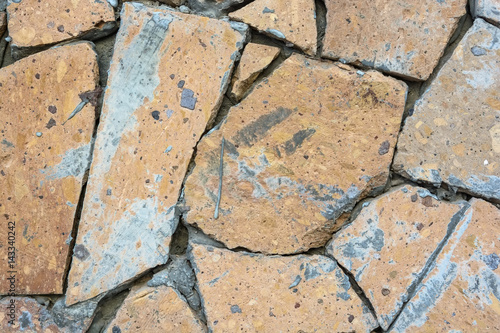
x,y
296,141
108,192
51,123
181,83
297,305
414,198
385,291
7,143
172,76
60,28
25,320
155,115
478,51
267,10
81,252
384,148
37,76
185,120
147,181
427,201
320,301
52,109
188,100
350,318
492,260
419,226
235,309
116,329
91,96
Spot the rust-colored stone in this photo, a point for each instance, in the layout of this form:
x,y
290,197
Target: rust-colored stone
x,y
486,9
43,158
163,89
406,37
300,150
244,292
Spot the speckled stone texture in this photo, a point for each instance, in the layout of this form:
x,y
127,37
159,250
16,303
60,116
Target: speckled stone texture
x,y
486,9
245,292
163,89
453,135
43,158
405,38
292,21
462,292
300,150
387,247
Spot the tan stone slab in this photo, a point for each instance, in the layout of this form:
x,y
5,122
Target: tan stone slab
x,y
486,9
3,23
163,89
292,21
254,60
244,292
405,38
43,158
462,292
453,135
388,246
300,150
159,309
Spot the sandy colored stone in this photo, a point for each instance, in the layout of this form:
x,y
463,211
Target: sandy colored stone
x,y
254,60
462,292
453,135
292,21
300,150
43,158
244,292
159,309
388,245
405,38
163,89
3,23
486,9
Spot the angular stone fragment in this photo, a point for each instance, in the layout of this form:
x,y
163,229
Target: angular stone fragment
x,y
3,23
405,38
454,133
245,292
213,8
486,9
388,245
159,309
292,21
299,151
462,292
43,158
254,60
164,87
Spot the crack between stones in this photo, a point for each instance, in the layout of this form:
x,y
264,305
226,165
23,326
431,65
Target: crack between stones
x,y
320,10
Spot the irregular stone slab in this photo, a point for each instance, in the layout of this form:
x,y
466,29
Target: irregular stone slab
x,y
43,159
405,38
159,309
454,133
244,292
388,246
292,21
486,9
462,292
305,145
254,60
163,89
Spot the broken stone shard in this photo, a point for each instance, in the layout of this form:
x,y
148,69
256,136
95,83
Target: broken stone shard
x,y
300,150
486,9
391,242
244,292
145,141
292,21
405,38
461,293
453,136
41,176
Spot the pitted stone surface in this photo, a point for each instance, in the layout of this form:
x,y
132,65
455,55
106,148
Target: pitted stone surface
x,y
453,135
254,60
406,37
388,245
487,9
245,292
300,150
292,21
43,159
462,292
163,89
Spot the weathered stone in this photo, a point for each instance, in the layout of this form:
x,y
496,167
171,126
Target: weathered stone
x,y
486,9
174,3
43,158
405,38
453,135
388,246
254,60
159,309
3,23
300,150
292,21
213,8
244,292
145,140
34,23
462,292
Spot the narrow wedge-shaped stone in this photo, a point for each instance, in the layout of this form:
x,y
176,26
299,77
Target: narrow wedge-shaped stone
x,y
486,9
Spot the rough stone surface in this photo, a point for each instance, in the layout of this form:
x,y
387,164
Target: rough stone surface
x,y
3,23
159,309
487,9
254,60
406,37
213,8
43,158
453,135
163,89
462,292
387,246
292,21
300,150
245,292
174,3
